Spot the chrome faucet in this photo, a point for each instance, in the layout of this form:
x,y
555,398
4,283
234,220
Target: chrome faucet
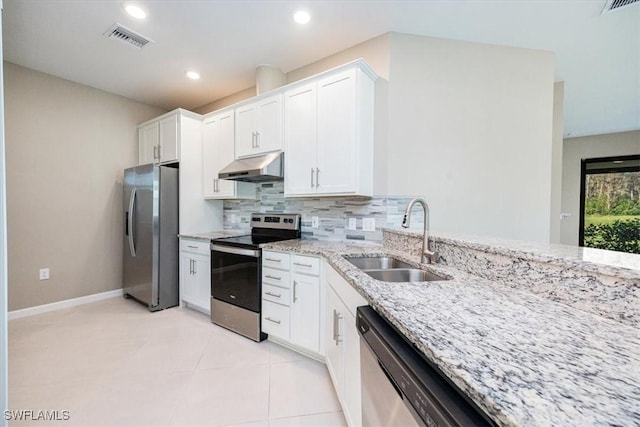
x,y
429,257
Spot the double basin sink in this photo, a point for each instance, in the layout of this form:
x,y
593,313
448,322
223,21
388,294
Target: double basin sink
x,y
388,269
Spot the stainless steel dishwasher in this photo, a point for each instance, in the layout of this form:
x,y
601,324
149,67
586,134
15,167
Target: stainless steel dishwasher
x,y
400,388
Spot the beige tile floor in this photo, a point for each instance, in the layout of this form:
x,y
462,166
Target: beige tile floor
x,y
113,363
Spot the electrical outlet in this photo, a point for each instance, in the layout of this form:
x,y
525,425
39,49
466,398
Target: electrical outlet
x,y
233,218
368,224
315,222
44,274
352,224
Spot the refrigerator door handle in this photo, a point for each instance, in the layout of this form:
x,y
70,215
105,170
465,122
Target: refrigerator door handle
x,y
132,199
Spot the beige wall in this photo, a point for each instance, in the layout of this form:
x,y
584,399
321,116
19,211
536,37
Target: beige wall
x,y
470,129
226,101
66,148
587,147
374,51
467,126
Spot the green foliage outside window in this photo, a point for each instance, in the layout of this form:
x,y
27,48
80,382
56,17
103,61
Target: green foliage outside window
x,y
612,212
619,235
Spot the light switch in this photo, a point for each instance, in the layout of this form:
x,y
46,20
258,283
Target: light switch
x,y
352,224
315,222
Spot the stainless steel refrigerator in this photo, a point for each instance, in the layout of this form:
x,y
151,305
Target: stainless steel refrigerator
x,y
150,271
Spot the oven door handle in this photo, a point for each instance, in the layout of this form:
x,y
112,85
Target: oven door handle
x,y
237,251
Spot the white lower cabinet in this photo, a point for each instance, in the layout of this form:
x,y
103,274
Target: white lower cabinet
x,y
309,307
305,311
343,344
195,274
292,300
276,294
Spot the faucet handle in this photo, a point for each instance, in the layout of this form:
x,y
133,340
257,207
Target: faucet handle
x,y
430,257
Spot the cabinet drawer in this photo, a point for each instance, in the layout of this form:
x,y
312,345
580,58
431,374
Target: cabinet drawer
x,y
196,246
275,277
275,294
275,260
305,264
275,319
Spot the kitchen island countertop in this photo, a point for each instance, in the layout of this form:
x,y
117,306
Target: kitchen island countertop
x,y
523,359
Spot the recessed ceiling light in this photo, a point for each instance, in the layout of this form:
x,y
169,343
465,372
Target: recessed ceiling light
x,y
302,17
193,75
135,11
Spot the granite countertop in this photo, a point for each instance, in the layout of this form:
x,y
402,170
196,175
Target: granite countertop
x,y
214,234
619,264
523,359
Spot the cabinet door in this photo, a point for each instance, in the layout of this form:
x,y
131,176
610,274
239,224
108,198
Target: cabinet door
x,y
148,138
246,126
225,154
337,134
300,140
188,283
269,136
335,356
210,135
202,282
305,311
169,139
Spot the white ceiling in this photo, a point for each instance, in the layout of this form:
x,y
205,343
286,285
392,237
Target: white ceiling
x,y
598,56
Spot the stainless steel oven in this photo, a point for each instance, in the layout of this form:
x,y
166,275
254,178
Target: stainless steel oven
x,y
235,290
236,275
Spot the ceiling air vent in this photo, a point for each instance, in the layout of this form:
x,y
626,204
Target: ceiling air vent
x,y
126,35
612,5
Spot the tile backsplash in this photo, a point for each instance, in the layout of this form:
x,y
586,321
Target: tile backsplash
x,y
334,213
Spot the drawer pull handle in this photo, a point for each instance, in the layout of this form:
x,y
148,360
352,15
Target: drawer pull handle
x,y
336,327
274,295
268,276
272,260
295,284
303,265
192,247
277,322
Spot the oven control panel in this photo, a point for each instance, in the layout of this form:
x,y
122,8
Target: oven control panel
x,y
276,221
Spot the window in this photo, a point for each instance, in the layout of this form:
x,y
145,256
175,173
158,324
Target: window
x,y
610,203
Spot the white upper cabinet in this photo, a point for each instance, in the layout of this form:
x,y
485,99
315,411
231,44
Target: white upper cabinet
x,y
259,127
148,138
300,139
158,140
329,134
217,152
168,147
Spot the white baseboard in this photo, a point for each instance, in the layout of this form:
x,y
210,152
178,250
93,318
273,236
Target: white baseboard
x,y
30,311
311,354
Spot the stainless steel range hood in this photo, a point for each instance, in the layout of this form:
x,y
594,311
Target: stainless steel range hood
x,y
268,167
